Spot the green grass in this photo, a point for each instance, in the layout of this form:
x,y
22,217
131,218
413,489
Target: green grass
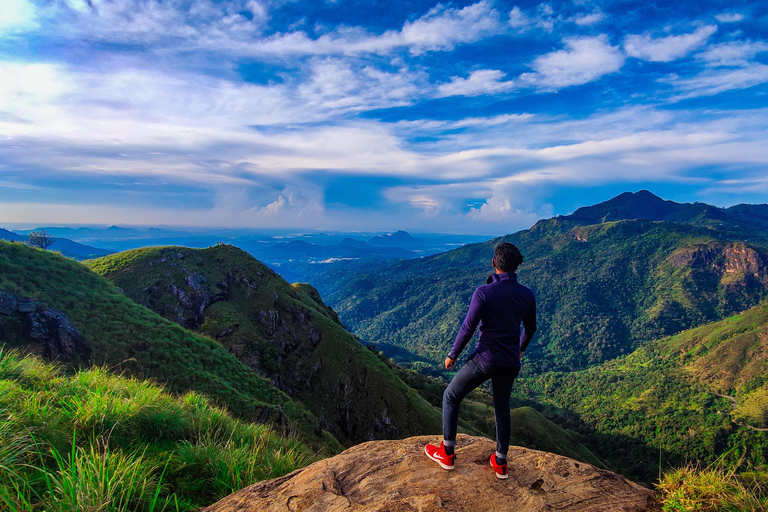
x,y
96,441
715,488
661,401
283,331
132,339
602,290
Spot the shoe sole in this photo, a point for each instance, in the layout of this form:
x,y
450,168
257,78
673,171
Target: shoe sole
x,y
499,476
444,466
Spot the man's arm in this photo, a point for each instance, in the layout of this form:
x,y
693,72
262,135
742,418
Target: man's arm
x,y
529,327
469,326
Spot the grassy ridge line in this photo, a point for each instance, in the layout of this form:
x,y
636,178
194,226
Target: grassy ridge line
x,y
283,331
129,337
662,400
96,441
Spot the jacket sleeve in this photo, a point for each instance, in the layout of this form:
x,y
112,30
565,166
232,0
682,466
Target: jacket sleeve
x,y
529,326
470,324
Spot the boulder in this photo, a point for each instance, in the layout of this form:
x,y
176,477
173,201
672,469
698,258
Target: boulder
x,y
396,476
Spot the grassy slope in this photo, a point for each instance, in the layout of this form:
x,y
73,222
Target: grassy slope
x,y
116,436
662,400
129,337
283,331
602,290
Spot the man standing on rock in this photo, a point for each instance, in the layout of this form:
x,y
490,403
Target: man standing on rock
x,y
497,309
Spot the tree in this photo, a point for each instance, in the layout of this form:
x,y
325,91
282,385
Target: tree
x,y
41,239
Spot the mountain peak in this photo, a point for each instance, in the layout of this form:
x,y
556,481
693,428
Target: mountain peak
x,y
397,239
400,477
629,205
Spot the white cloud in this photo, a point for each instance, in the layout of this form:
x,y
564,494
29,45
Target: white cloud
x,y
482,81
541,17
518,19
735,53
729,66
592,18
584,60
17,16
442,28
729,17
338,85
297,202
715,81
220,27
666,49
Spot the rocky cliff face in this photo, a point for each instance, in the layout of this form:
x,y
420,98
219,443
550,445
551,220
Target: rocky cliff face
x,y
41,329
396,476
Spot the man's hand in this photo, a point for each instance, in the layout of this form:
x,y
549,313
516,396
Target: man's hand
x,y
449,363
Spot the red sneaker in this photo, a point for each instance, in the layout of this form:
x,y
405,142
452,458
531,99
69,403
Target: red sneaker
x,y
437,454
500,469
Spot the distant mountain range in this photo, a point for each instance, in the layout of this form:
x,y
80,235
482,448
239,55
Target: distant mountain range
x,y
603,288
63,245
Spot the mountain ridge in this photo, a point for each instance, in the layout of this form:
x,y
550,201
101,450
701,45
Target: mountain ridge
x,y
283,332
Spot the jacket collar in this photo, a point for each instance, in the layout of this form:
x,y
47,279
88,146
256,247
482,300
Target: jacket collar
x,y
504,276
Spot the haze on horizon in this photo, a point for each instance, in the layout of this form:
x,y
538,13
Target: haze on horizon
x,y
473,116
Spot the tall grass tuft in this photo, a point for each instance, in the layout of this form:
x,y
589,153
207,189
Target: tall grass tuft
x,y
95,479
715,488
216,466
16,449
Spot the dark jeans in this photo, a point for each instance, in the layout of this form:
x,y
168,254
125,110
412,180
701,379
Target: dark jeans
x,y
467,379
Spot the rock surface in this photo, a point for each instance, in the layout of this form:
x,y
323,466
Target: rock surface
x,y
396,476
43,329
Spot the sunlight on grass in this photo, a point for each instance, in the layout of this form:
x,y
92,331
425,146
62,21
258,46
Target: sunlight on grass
x,y
93,441
715,488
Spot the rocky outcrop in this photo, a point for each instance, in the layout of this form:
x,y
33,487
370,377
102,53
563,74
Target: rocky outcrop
x,y
396,476
724,260
45,330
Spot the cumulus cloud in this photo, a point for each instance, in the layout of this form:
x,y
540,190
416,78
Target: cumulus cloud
x,y
541,17
482,81
666,49
583,60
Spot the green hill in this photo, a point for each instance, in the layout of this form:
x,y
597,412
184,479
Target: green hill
x,y
602,290
281,331
663,400
132,339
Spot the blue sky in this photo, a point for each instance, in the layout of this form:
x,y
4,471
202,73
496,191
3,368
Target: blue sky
x,y
474,117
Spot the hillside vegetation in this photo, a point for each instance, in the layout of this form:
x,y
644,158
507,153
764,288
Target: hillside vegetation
x,y
281,331
94,441
664,402
130,338
602,290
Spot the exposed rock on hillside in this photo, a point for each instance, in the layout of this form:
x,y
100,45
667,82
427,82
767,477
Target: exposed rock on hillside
x,y
280,331
45,330
396,476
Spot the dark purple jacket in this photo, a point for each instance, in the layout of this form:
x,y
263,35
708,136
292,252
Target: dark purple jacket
x,y
497,309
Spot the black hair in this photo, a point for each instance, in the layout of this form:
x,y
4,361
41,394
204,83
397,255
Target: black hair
x,y
507,257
